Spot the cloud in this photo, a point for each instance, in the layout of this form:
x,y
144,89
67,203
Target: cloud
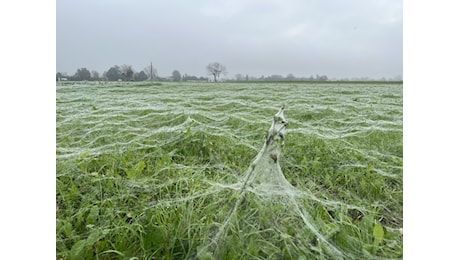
x,y
296,30
222,9
252,37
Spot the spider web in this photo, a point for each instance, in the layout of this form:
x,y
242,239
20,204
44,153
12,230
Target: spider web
x,y
263,186
259,204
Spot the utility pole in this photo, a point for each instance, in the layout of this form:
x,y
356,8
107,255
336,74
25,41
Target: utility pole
x,y
151,71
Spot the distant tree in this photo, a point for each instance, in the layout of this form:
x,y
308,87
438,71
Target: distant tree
x,y
290,77
140,76
127,72
151,72
215,69
186,77
58,76
275,77
113,74
82,74
94,75
239,77
176,75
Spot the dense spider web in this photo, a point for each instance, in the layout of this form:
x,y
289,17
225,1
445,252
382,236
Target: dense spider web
x,y
214,202
265,185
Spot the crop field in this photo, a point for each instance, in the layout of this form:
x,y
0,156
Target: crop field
x,y
162,171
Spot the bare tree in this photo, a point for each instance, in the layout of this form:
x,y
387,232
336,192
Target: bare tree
x,y
151,72
127,71
215,69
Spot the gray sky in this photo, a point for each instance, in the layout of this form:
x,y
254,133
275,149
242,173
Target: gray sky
x,y
337,38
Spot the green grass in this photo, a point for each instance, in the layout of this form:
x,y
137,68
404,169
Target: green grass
x,y
137,167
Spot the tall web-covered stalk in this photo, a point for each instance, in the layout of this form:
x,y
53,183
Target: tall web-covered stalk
x,y
265,170
265,178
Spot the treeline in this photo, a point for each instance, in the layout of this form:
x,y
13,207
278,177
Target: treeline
x,y
215,69
276,77
316,78
125,73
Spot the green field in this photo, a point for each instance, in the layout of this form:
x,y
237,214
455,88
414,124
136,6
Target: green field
x,y
152,171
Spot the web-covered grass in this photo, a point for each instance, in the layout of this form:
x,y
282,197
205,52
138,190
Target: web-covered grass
x,y
156,171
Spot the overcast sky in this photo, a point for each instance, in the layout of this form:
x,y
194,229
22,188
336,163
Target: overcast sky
x,y
337,38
